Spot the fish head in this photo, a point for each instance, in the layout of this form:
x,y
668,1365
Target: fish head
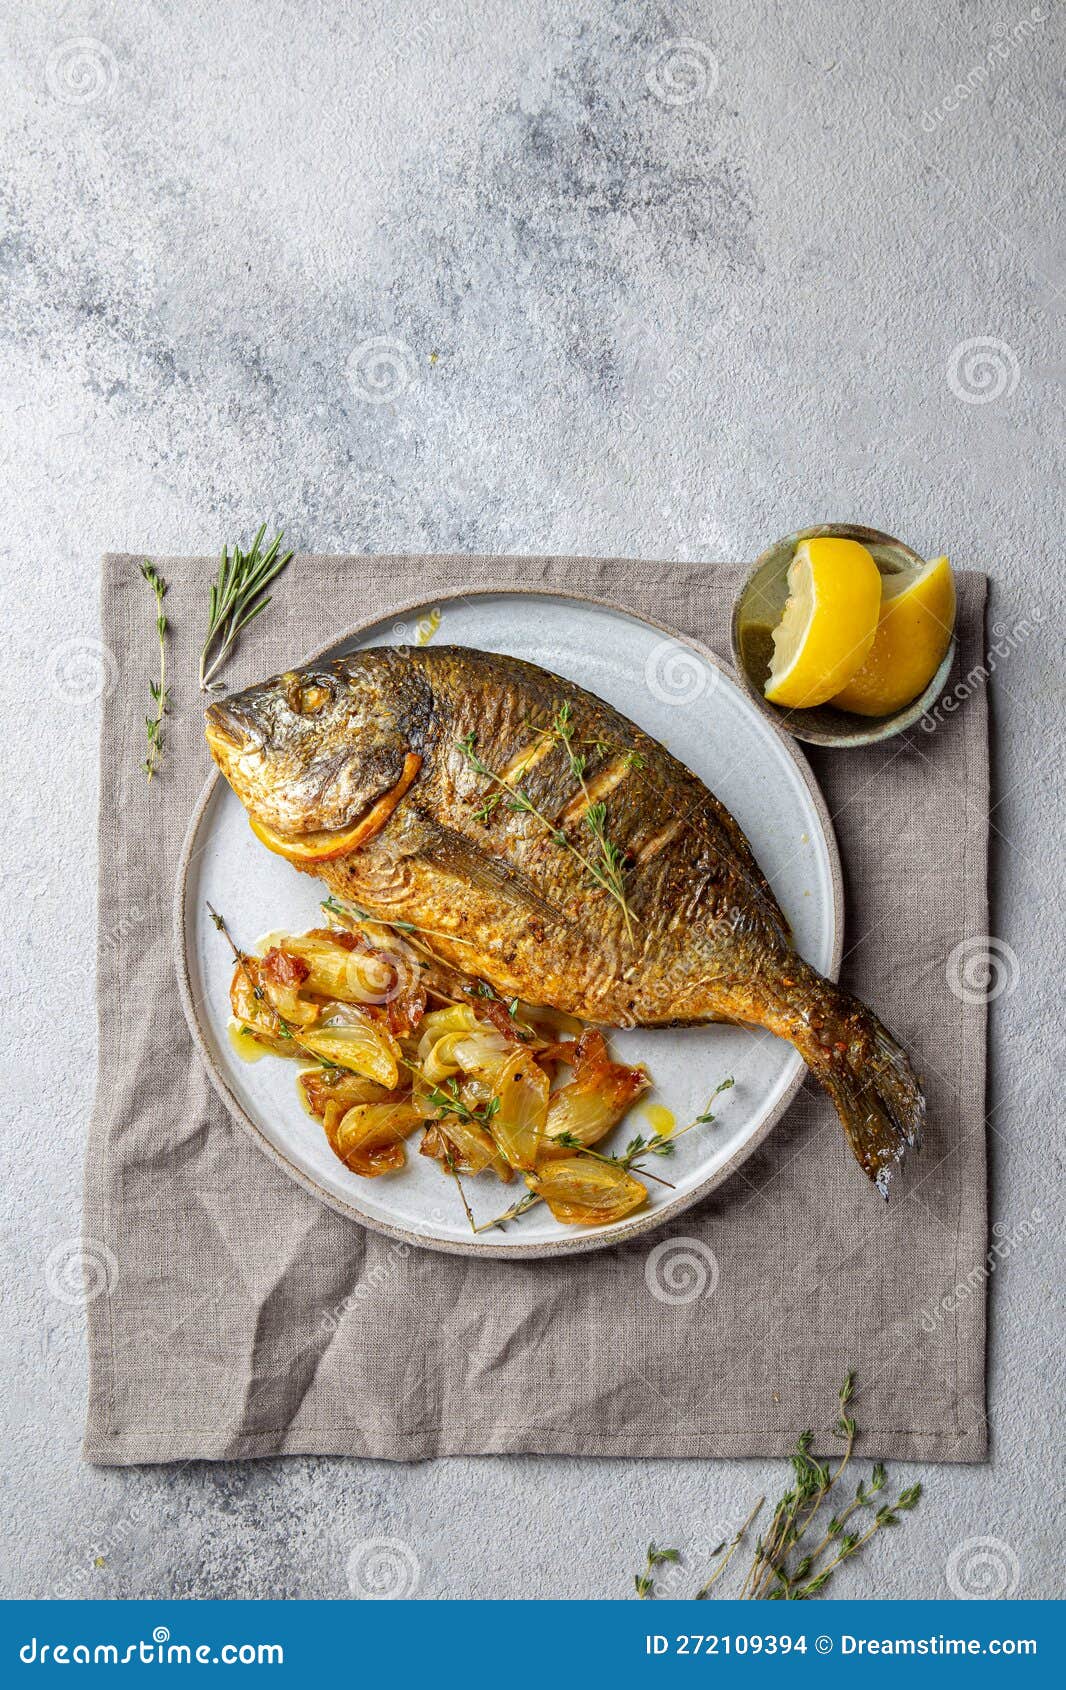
x,y
313,751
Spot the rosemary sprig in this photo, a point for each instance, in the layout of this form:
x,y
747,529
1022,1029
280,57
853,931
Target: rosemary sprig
x,y
237,597
520,802
159,690
656,1557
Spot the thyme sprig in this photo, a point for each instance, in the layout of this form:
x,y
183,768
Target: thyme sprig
x,y
529,1201
159,690
353,912
609,856
519,801
729,1546
449,1163
447,1101
237,597
781,1569
662,1144
572,1142
656,1557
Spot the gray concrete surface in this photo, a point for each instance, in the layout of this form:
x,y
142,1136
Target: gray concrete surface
x,y
664,280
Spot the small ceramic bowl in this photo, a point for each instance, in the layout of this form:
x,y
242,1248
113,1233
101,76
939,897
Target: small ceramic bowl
x,y
757,611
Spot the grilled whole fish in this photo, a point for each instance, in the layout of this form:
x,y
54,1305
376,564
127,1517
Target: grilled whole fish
x,y
554,849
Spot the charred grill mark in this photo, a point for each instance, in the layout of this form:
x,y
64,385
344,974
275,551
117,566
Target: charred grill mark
x,y
597,787
523,761
658,841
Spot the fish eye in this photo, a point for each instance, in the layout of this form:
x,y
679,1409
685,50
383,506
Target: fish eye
x,y
307,698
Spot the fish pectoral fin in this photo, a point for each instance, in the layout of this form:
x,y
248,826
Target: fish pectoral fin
x,y
453,854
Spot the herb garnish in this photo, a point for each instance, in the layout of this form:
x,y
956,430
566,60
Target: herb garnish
x,y
447,1101
729,1547
645,1584
159,690
610,857
773,1576
601,873
236,599
449,1163
336,907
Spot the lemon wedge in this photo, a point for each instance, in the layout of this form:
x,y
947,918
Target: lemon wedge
x,y
913,633
312,848
829,622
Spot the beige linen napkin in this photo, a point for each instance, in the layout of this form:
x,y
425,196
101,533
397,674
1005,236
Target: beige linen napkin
x,y
236,1316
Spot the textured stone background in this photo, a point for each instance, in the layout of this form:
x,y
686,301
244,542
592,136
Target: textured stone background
x,y
639,297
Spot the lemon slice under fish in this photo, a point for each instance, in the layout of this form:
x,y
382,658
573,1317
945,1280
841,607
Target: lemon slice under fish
x,y
829,621
913,633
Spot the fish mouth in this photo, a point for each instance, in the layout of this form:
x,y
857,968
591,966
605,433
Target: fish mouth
x,y
227,732
229,741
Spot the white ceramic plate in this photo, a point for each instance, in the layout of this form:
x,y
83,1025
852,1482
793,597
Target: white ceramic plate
x,y
685,698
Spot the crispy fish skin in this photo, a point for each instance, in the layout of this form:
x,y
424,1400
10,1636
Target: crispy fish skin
x,y
312,752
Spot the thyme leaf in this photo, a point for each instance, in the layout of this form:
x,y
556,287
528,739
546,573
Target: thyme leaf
x,y
159,690
644,1582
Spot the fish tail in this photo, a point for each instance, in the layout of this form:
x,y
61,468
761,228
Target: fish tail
x,y
866,1072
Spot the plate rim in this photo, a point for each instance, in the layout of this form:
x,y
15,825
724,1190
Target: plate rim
x,y
586,1241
